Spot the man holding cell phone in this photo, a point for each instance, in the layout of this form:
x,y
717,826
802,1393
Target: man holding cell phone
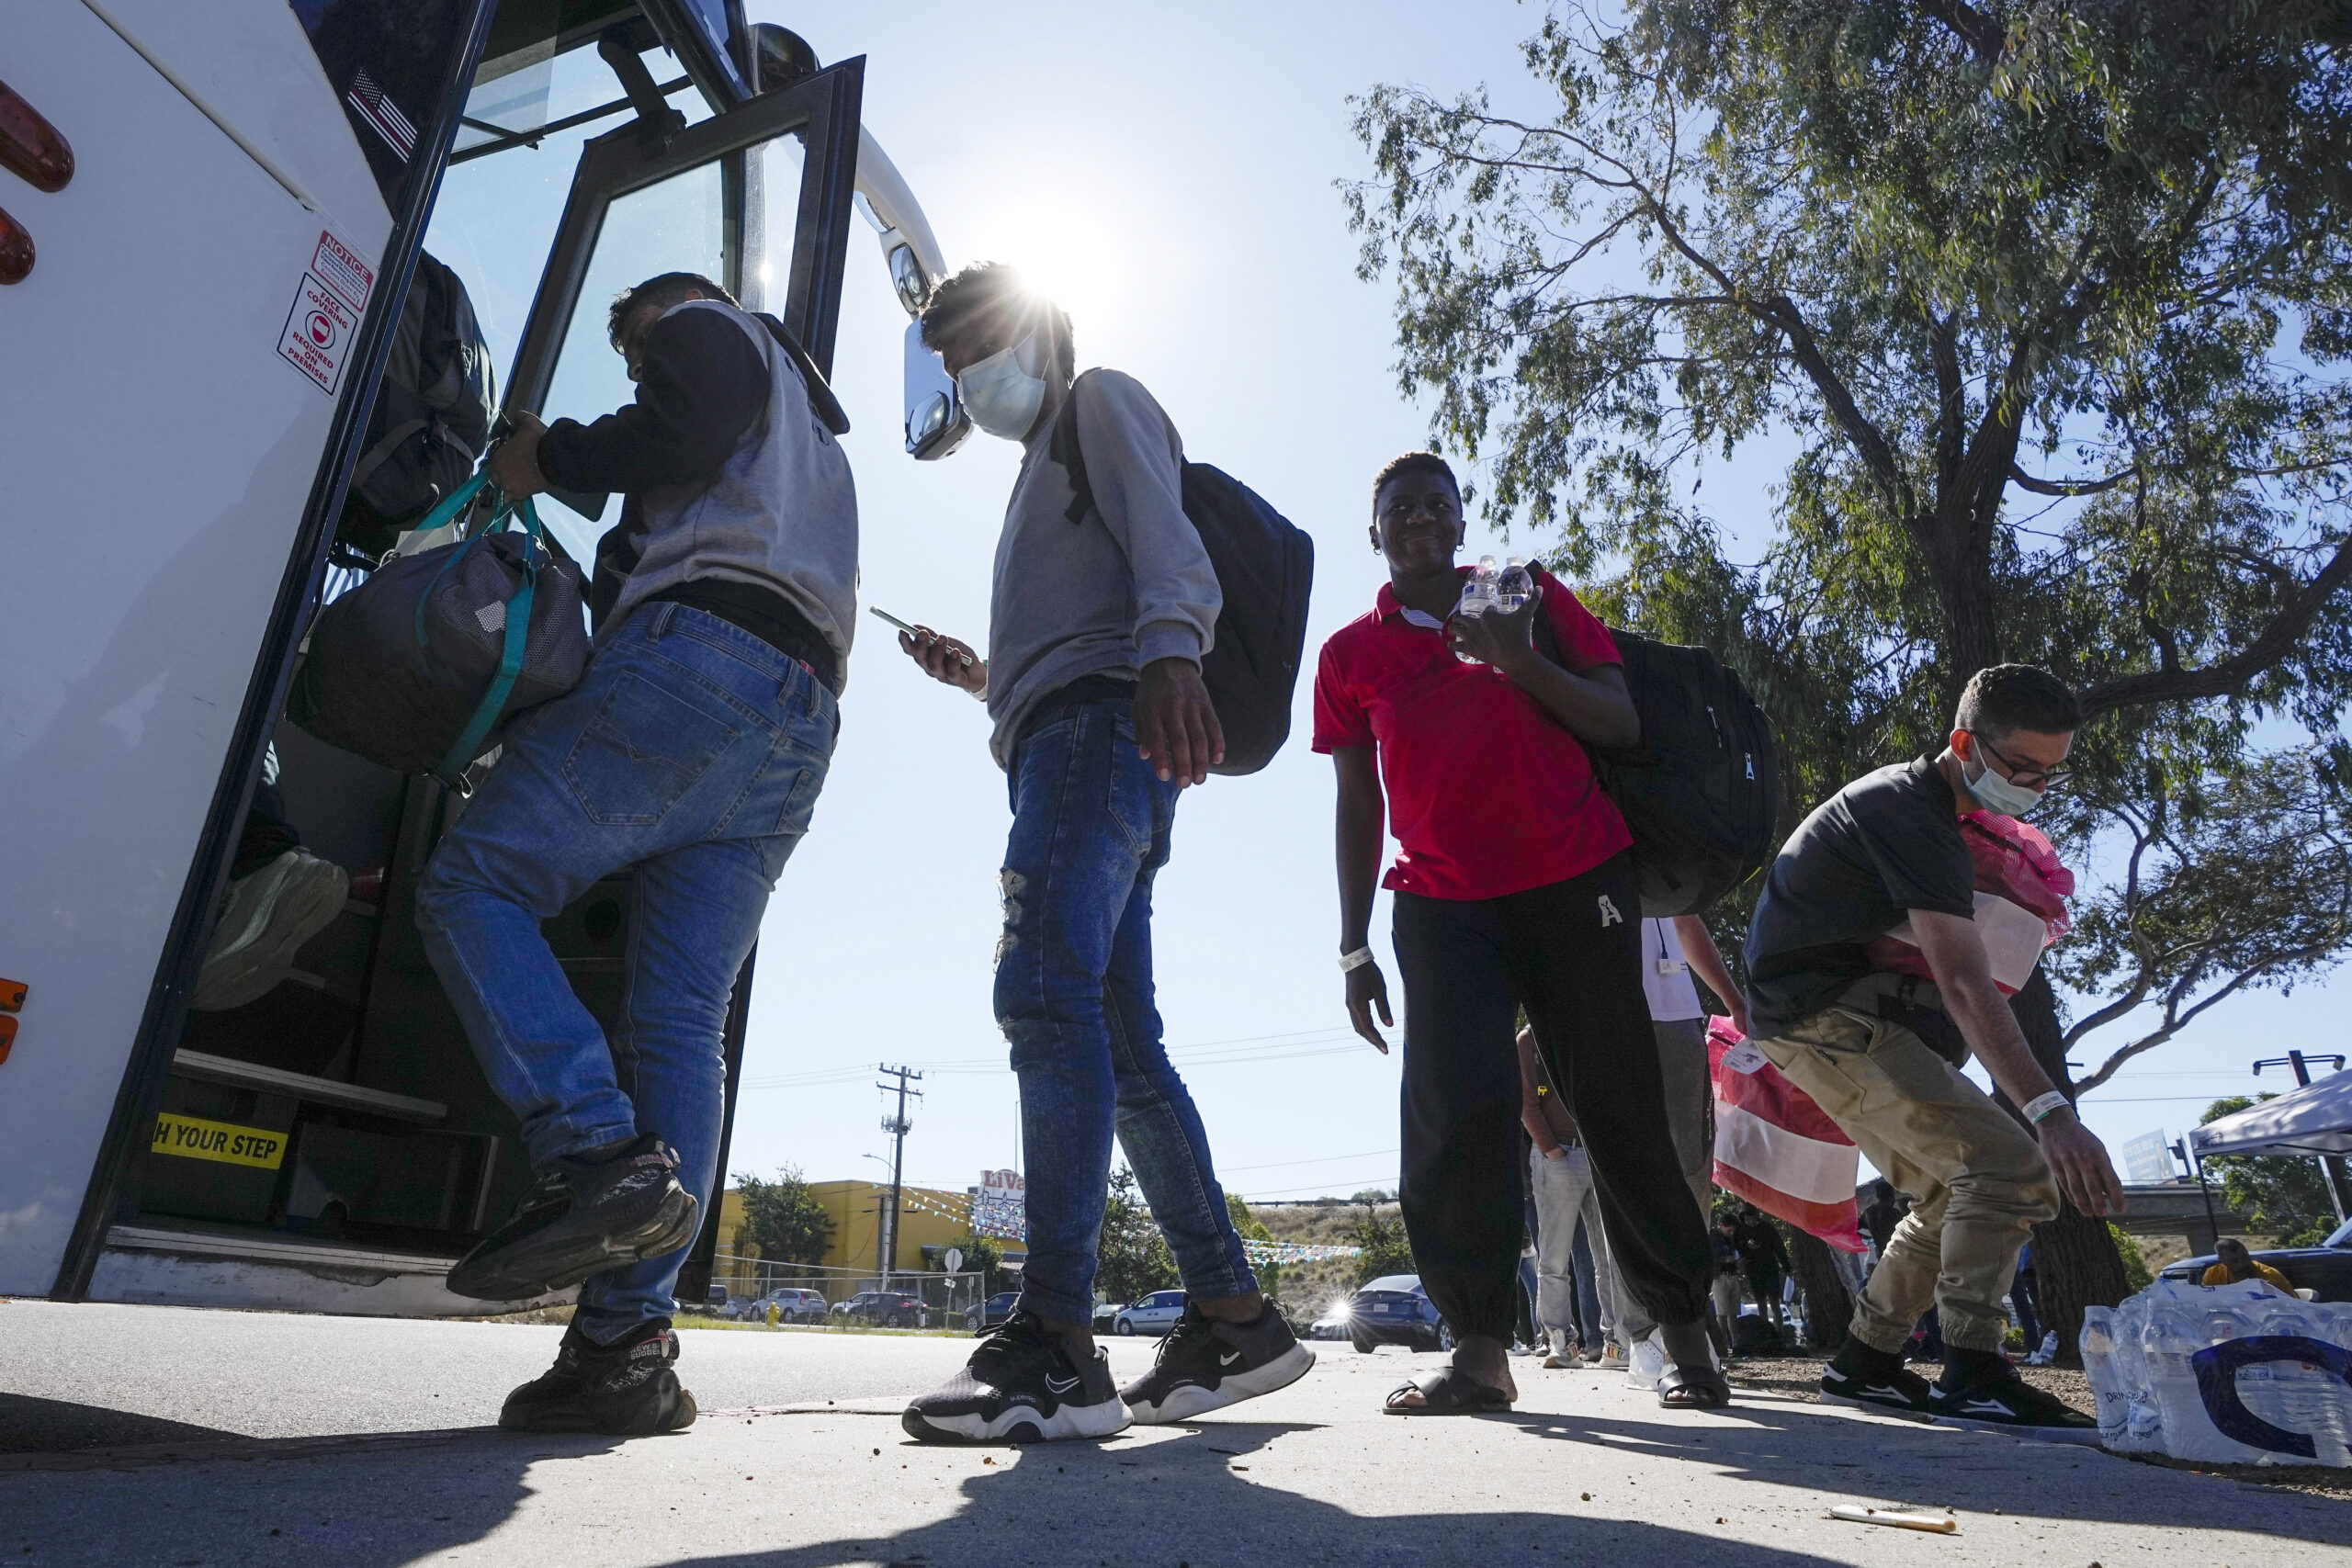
x,y
1096,630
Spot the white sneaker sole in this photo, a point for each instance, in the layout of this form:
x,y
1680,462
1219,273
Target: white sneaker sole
x,y
2089,1436
1071,1421
1184,1404
1908,1412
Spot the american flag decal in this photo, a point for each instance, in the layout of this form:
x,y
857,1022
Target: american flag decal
x,y
368,101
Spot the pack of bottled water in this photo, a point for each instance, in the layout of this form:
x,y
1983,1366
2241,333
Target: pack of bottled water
x,y
1505,588
2241,1373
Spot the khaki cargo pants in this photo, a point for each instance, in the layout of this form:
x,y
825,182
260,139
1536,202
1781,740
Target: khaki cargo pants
x,y
1977,1179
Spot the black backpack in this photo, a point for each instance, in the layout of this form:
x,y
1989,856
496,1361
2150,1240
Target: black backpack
x,y
1701,791
431,418
1265,567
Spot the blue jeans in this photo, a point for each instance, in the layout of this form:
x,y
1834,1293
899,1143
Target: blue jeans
x,y
691,753
1091,824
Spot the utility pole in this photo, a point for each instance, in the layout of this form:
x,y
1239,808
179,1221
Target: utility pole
x,y
2328,1169
897,1126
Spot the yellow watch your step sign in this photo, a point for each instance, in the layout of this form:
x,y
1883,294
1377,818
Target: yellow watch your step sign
x,y
193,1138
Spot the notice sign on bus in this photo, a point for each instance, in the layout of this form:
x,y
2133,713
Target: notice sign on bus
x,y
319,332
191,1138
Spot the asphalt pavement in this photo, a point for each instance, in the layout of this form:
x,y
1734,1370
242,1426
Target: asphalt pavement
x,y
150,1434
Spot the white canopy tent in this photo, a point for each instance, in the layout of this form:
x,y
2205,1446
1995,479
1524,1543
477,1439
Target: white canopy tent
x,y
2315,1120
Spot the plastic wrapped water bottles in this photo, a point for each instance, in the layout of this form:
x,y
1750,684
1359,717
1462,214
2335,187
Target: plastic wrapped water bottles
x,y
2106,1379
2236,1374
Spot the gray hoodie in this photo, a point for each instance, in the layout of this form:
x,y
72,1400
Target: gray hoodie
x,y
1129,583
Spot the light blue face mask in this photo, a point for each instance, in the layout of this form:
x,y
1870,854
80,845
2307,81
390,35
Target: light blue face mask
x,y
2003,795
1001,393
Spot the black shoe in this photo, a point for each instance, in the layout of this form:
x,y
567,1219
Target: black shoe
x,y
1205,1364
582,1218
1875,1379
1996,1396
1020,1386
626,1389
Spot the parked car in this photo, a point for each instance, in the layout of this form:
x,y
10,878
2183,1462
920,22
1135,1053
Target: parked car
x,y
892,1308
1333,1324
2326,1270
1156,1313
1394,1310
991,1312
793,1306
1106,1313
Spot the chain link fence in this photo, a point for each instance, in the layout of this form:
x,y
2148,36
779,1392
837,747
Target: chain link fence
x,y
945,1297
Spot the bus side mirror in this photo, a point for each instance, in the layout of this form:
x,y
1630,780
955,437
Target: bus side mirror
x,y
937,424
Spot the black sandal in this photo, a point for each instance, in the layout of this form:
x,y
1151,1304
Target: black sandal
x,y
1450,1392
1694,1389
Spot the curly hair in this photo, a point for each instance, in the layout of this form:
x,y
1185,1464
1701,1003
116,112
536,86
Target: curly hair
x,y
1413,463
986,287
668,289
2009,697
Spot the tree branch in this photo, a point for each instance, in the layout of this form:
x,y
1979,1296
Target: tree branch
x,y
2230,676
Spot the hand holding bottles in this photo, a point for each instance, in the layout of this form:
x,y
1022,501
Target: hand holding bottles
x,y
1495,624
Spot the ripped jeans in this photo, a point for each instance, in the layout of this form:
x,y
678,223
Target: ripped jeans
x,y
1091,825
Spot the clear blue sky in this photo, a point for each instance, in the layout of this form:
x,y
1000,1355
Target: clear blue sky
x,y
1169,173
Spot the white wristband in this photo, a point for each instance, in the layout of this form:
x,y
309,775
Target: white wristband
x,y
2043,1105
1356,960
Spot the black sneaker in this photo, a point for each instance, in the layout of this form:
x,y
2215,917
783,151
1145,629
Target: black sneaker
x,y
579,1219
626,1389
1996,1397
1205,1364
1020,1386
1875,1379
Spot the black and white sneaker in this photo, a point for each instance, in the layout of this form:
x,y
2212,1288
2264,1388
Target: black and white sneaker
x,y
582,1218
626,1388
1995,1397
1876,1380
1020,1386
1205,1364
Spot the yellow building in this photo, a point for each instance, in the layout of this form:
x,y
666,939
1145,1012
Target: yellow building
x,y
929,1216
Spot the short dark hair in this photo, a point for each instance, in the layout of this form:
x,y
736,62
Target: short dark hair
x,y
1413,463
2010,697
989,286
668,289
2228,1244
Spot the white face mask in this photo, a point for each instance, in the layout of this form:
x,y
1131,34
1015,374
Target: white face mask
x,y
1000,393
2008,799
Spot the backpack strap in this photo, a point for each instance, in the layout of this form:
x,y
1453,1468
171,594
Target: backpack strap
x,y
510,663
1063,447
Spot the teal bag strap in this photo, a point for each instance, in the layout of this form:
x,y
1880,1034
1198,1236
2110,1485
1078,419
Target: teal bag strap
x,y
510,664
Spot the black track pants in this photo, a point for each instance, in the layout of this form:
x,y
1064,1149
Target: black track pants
x,y
1570,954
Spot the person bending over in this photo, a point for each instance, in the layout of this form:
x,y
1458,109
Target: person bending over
x,y
1513,889
1877,874
1096,630
2232,1261
691,753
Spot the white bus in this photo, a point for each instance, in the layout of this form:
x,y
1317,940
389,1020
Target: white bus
x,y
208,217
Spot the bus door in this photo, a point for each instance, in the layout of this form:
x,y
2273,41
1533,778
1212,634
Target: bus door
x,y
337,1147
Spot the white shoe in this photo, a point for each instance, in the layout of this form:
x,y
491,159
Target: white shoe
x,y
1647,1363
269,915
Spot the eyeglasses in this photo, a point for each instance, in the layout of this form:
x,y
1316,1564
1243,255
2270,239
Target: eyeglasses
x,y
2020,775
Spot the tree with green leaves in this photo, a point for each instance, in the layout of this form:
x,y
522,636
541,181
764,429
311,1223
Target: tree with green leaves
x,y
1385,1249
784,1219
1250,1227
983,1254
2282,1196
1132,1259
2033,321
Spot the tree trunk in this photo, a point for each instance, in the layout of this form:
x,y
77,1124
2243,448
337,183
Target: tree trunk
x,y
1816,1276
2074,1259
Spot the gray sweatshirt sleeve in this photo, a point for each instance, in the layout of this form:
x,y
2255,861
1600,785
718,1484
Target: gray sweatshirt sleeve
x,y
1135,466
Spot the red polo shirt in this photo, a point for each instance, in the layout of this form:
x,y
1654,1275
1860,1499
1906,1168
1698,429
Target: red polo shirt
x,y
1487,792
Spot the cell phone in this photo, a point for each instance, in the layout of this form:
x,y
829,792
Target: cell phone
x,y
915,632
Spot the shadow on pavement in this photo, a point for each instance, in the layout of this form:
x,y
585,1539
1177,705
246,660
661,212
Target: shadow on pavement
x,y
31,1426
1790,1444
1181,1501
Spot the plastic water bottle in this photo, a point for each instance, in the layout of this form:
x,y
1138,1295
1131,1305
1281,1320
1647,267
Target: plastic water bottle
x,y
2144,1423
1514,587
1478,596
2298,1396
2165,1344
2112,1399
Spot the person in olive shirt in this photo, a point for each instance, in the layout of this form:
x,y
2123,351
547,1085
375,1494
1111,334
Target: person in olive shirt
x,y
1879,871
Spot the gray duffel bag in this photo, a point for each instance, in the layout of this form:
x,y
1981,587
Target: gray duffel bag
x,y
419,668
